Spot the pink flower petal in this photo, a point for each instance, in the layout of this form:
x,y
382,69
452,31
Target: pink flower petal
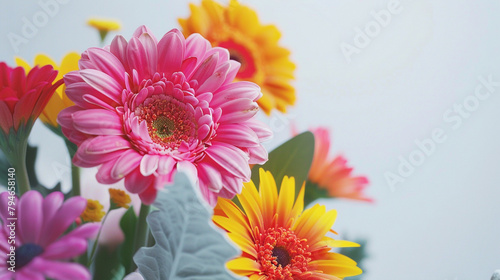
x,y
238,110
215,80
166,164
235,91
106,62
69,248
196,46
205,69
51,204
60,270
30,216
103,175
150,51
62,219
84,159
148,196
86,231
107,144
237,135
262,131
138,58
234,67
118,47
171,50
210,176
103,83
97,122
135,182
125,164
149,164
258,155
142,30
231,159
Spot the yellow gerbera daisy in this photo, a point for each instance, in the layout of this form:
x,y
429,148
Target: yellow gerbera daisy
x,y
255,46
279,240
59,100
104,26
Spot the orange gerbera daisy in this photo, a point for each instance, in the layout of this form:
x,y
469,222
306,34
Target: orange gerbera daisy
x,y
278,239
263,61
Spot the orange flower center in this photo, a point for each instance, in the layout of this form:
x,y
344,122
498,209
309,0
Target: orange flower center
x,y
169,122
281,254
241,54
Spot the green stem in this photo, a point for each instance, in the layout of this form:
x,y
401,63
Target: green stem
x,y
75,180
18,161
75,171
91,258
141,232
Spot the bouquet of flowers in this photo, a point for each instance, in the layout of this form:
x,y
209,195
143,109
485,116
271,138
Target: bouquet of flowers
x,y
168,128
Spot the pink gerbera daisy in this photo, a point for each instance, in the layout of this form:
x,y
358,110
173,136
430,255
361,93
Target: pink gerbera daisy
x,y
334,175
39,249
146,108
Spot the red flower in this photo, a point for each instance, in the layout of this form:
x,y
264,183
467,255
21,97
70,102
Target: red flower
x,y
23,97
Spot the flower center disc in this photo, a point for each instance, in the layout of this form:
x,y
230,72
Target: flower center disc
x,y
26,253
281,254
169,121
163,126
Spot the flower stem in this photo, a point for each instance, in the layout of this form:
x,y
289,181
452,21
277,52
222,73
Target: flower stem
x,y
22,177
91,258
75,171
75,180
18,161
141,232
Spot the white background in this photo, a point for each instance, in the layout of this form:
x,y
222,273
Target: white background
x,y
443,221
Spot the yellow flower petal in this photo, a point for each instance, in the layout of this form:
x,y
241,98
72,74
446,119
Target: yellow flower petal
x,y
289,244
243,266
104,24
256,46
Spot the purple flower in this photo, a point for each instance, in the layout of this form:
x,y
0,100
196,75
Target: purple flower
x,y
41,247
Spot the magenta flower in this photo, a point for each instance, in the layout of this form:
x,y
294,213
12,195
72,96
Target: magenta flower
x,y
146,108
41,249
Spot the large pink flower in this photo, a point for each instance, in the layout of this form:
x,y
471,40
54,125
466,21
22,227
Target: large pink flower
x,y
146,108
39,249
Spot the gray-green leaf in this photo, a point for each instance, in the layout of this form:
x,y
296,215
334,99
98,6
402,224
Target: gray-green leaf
x,y
188,245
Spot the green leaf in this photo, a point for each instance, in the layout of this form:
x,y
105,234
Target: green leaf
x,y
292,159
107,265
127,224
358,254
188,244
313,192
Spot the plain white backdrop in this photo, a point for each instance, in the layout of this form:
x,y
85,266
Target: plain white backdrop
x,y
443,221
